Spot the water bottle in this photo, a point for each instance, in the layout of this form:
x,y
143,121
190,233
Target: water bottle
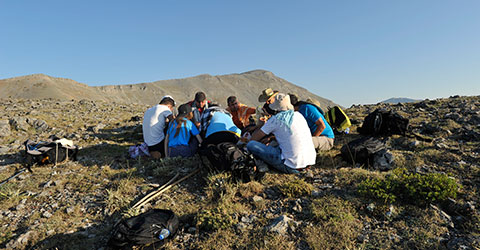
x,y
164,234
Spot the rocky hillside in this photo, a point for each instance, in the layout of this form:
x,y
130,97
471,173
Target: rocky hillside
x,y
246,86
426,199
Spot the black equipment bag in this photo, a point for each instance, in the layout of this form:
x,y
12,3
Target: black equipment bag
x,y
144,229
53,150
362,150
227,156
384,122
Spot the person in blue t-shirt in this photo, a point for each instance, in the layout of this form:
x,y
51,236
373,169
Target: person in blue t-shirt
x,y
322,133
217,126
179,138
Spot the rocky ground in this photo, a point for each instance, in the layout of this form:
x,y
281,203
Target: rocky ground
x,y
74,205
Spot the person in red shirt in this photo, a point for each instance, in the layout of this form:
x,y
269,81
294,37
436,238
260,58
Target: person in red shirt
x,y
240,112
199,104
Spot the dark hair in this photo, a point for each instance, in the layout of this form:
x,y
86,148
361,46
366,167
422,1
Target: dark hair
x,y
267,109
200,96
231,99
293,99
168,100
180,121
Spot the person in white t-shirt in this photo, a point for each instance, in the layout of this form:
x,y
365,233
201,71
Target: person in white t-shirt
x,y
154,123
295,150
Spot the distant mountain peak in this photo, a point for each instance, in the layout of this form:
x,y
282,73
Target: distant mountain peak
x,y
395,100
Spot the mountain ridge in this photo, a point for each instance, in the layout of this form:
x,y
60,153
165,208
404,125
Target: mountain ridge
x,y
395,100
246,86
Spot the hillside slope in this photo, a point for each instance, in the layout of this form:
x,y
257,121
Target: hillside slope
x,y
246,86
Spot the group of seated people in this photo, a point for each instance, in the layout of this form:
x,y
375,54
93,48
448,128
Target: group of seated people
x,y
285,134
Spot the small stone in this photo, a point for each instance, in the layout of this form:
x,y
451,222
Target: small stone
x,y
21,242
30,193
391,211
241,226
4,128
69,210
247,219
257,198
326,186
280,225
414,144
371,207
40,125
47,214
446,218
20,207
48,184
50,232
192,230
316,193
309,174
297,207
362,238
3,150
22,177
20,123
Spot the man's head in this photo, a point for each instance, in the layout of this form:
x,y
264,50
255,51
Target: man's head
x,y
168,101
185,110
281,102
200,99
232,103
293,98
267,95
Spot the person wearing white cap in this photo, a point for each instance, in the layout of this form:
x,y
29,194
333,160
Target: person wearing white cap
x,y
295,151
153,126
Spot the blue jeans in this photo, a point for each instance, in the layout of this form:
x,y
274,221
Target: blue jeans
x,y
184,150
272,155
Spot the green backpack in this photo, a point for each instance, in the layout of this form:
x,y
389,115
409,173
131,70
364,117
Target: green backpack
x,y
337,119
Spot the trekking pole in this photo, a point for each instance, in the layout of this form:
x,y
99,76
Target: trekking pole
x,y
157,193
15,175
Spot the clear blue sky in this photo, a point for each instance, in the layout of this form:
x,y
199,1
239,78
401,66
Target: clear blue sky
x,y
348,51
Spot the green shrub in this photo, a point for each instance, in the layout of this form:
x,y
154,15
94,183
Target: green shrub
x,y
296,188
214,219
404,186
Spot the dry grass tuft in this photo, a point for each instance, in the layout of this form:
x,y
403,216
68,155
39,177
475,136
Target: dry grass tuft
x,y
337,225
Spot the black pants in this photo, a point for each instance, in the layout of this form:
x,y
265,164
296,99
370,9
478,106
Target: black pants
x,y
219,137
159,147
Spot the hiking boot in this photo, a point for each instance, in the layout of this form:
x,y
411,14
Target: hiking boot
x,y
262,167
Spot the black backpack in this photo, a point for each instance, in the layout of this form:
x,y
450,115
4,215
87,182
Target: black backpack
x,y
384,122
144,229
227,156
47,152
362,150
